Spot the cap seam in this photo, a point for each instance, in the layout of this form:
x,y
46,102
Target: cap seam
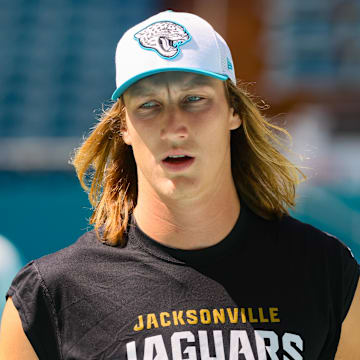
x,y
218,48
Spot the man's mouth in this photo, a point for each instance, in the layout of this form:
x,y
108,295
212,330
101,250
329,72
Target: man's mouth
x,y
178,162
177,159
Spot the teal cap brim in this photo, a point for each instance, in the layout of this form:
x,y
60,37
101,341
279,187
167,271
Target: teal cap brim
x,y
121,89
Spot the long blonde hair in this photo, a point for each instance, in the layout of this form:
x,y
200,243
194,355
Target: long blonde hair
x,y
265,179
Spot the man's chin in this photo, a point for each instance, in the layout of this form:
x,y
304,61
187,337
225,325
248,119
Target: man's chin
x,y
181,188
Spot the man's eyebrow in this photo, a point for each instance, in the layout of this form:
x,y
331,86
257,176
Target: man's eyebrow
x,y
198,80
140,90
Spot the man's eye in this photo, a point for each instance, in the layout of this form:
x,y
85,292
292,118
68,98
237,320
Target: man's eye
x,y
148,105
193,98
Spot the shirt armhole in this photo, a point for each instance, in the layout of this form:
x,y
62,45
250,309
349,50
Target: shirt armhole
x,y
36,310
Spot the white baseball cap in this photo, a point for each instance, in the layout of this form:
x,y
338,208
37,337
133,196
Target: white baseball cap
x,y
171,41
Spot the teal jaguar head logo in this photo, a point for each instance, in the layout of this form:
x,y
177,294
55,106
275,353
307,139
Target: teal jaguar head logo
x,y
163,37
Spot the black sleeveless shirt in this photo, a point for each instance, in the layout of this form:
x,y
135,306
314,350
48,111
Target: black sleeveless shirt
x,y
269,290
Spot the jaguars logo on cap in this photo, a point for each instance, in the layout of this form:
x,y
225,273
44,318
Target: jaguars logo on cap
x,y
163,37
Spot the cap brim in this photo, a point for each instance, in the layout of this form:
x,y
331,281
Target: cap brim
x,y
121,89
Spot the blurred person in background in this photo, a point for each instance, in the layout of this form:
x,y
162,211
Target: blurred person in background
x,y
193,249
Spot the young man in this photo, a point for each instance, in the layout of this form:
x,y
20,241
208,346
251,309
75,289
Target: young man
x,y
193,255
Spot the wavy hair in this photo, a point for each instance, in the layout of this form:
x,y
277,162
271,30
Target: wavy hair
x,y
264,178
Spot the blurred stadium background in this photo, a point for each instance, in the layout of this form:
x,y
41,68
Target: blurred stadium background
x,y
57,71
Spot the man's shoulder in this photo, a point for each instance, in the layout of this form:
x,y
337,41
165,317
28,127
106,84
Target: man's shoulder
x,y
290,225
310,238
83,246
80,258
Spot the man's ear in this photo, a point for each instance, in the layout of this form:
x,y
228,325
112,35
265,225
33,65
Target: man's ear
x,y
235,120
125,131
126,137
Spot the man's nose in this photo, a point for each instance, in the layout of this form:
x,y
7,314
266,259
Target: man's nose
x,y
174,125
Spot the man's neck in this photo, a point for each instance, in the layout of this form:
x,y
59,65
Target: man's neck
x,y
190,224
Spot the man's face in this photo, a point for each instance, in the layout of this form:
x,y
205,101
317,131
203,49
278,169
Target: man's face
x,y
178,125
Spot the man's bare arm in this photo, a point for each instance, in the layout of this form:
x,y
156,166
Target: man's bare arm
x,y
349,344
14,345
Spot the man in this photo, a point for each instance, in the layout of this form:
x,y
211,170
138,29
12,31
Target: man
x,y
191,195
